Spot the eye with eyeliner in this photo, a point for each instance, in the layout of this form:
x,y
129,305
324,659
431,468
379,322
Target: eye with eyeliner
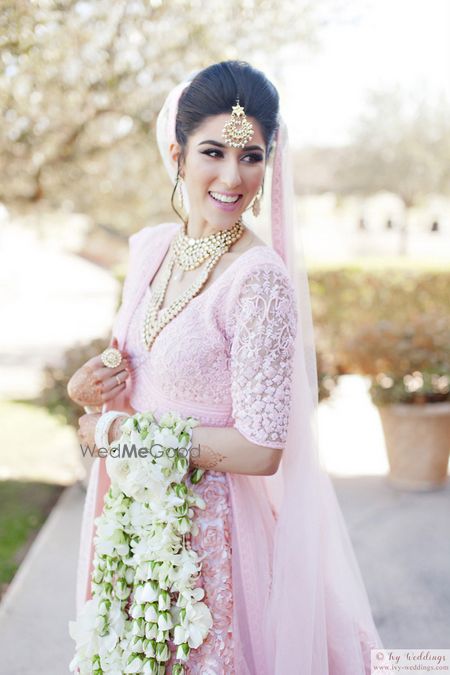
x,y
254,156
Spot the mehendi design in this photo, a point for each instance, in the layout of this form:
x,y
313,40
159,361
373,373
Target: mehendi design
x,y
209,458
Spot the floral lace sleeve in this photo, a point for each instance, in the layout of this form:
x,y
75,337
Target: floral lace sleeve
x,y
262,351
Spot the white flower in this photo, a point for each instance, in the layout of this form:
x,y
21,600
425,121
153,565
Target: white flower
x,y
138,627
195,627
164,621
186,568
168,419
81,630
151,613
137,611
118,469
117,617
149,647
163,601
140,542
151,631
147,593
162,652
197,501
135,664
183,651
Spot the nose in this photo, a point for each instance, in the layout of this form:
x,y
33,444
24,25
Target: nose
x,y
230,174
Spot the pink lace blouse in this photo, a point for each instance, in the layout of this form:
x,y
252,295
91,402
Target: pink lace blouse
x,y
226,359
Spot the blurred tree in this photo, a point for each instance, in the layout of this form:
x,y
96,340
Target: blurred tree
x,y
401,143
81,83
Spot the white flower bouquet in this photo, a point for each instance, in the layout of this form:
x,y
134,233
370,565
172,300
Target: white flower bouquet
x,y
146,608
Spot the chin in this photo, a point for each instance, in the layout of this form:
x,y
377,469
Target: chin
x,y
224,218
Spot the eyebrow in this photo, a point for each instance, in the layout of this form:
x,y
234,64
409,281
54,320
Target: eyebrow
x,y
221,145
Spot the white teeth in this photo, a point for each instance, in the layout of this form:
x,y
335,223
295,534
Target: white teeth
x,y
224,198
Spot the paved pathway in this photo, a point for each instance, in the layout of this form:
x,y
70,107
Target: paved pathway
x,y
402,542
35,611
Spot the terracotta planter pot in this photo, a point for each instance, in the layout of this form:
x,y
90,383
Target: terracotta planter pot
x,y
418,444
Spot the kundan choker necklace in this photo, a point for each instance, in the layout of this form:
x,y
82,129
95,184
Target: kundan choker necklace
x,y
188,253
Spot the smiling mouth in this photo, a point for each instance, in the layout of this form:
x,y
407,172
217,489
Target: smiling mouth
x,y
225,199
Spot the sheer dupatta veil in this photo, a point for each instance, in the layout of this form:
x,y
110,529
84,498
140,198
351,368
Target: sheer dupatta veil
x,y
289,535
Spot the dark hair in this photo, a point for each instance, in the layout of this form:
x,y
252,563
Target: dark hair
x,y
214,90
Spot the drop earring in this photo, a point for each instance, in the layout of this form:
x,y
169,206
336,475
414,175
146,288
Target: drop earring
x,y
256,207
179,183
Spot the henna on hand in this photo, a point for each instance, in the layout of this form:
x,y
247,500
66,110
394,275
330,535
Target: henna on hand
x,y
83,389
209,458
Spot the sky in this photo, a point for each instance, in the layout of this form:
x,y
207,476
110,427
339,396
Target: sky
x,y
395,42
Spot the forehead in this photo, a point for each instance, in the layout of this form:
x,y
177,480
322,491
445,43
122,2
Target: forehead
x,y
211,129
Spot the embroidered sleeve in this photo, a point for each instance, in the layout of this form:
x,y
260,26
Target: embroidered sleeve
x,y
262,351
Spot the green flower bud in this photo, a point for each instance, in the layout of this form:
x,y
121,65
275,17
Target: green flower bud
x,y
196,476
162,652
181,464
184,525
182,509
183,651
122,589
149,648
181,490
163,601
178,669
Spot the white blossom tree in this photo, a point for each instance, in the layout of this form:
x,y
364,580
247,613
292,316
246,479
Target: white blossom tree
x,y
81,83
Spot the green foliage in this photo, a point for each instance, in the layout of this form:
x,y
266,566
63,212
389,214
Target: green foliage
x,y
417,387
390,324
327,375
24,507
344,300
408,362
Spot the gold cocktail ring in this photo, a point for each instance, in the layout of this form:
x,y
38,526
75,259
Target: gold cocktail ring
x,y
111,357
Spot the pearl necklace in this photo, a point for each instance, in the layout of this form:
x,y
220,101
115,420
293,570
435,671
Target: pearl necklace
x,y
188,253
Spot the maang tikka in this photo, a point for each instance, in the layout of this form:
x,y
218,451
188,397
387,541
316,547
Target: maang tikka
x,y
237,131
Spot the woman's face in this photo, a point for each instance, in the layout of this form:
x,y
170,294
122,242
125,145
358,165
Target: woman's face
x,y
212,170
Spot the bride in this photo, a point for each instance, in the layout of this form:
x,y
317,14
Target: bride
x,y
216,324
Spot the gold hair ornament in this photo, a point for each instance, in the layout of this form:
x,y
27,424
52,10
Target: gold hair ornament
x,y
237,131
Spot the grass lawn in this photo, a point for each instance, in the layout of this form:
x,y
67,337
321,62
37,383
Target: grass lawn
x,y
36,446
24,507
38,457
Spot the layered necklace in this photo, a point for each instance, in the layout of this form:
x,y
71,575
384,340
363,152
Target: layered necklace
x,y
187,253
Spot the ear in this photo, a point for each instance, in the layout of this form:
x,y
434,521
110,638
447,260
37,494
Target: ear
x,y
175,154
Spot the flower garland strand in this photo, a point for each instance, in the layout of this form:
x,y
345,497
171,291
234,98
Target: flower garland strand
x,y
145,592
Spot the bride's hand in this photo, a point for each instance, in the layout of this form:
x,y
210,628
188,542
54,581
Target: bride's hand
x,y
86,428
87,424
94,383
